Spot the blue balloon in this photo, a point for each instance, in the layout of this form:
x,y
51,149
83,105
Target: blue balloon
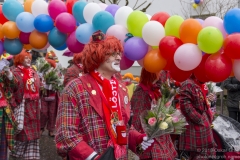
x,y
231,21
13,46
84,32
77,11
1,47
197,1
11,9
56,38
102,21
43,23
61,48
25,21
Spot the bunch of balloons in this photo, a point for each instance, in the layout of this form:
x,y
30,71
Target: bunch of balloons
x,y
196,3
208,48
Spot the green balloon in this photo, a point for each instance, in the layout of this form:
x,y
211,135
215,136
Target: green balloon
x,y
135,22
172,26
210,40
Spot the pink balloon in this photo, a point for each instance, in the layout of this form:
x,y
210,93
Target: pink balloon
x,y
73,44
65,22
215,22
56,7
125,63
103,6
46,47
140,62
118,31
24,37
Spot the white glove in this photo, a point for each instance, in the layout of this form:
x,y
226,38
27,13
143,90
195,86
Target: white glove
x,y
146,143
6,69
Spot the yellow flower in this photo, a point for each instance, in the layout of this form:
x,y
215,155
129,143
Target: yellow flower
x,y
169,119
163,125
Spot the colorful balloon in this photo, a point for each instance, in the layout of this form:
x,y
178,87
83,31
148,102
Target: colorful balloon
x,y
218,67
84,32
102,21
112,8
3,19
125,63
38,40
135,22
12,46
70,4
231,21
118,31
189,31
55,8
161,17
28,6
10,30
90,10
178,74
39,7
200,72
153,61
25,22
56,38
172,26
78,8
122,14
64,27
232,46
43,23
24,37
217,22
210,40
73,44
11,9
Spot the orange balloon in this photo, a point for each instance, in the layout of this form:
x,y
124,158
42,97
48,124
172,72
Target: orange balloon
x,y
1,34
189,30
28,5
10,30
27,46
153,61
38,40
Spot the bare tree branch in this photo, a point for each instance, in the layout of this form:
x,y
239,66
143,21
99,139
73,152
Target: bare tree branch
x,y
127,2
103,1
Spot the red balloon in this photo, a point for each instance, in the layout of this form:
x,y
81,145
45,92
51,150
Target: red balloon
x,y
168,65
200,72
24,37
218,67
125,63
3,19
168,45
73,44
232,46
178,74
161,17
69,5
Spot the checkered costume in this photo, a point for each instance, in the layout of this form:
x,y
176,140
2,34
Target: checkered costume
x,y
198,136
7,120
72,72
163,148
31,125
80,123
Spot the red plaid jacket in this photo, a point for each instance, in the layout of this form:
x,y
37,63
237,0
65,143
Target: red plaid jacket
x,y
72,73
163,148
80,124
198,136
31,129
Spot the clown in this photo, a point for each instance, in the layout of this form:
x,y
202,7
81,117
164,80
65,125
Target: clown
x,y
75,71
94,109
26,96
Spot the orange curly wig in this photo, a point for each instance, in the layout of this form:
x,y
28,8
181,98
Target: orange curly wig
x,y
95,53
147,78
50,55
77,58
18,59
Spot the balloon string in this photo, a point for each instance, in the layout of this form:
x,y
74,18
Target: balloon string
x,y
128,35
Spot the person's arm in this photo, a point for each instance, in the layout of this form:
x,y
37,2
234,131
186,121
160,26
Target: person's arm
x,y
186,104
68,139
227,84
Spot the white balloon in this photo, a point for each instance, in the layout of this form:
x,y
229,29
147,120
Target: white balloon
x,y
103,6
149,17
39,7
90,10
236,68
187,57
152,33
122,14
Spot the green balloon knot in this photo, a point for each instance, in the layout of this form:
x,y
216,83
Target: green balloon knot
x,y
128,35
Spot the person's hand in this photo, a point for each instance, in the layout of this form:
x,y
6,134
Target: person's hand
x,y
7,69
211,97
147,144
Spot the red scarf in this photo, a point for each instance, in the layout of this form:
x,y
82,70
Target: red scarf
x,y
153,91
3,101
30,88
110,106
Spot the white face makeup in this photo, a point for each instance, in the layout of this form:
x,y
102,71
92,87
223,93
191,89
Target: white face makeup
x,y
26,61
116,66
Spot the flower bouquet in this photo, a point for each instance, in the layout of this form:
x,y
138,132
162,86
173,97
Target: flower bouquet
x,y
163,118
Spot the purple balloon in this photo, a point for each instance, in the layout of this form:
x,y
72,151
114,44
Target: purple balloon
x,y
112,8
135,48
65,22
24,37
125,63
73,44
200,20
1,48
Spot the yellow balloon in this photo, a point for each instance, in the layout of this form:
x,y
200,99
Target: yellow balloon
x,y
28,5
194,5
